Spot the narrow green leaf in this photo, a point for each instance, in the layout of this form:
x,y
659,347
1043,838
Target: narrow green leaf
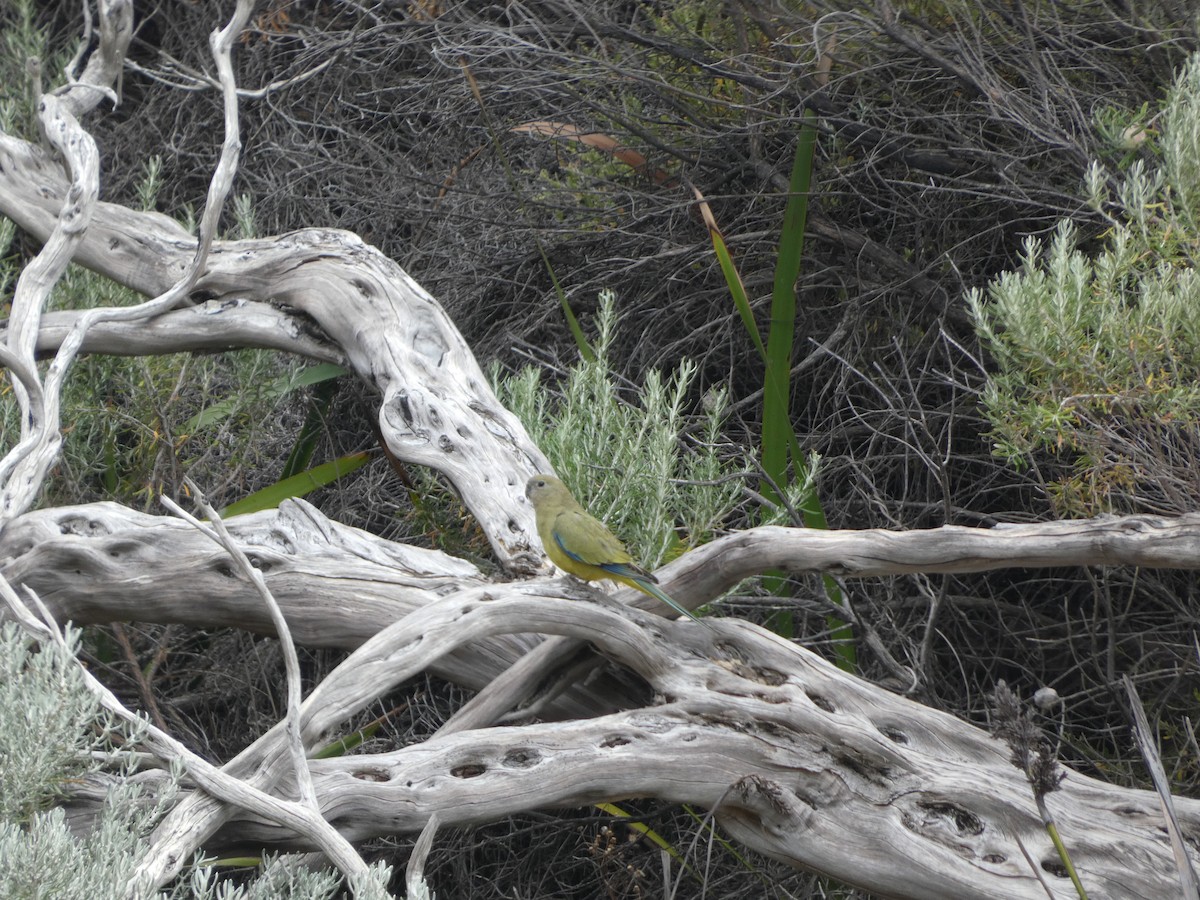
x,y
643,829
344,745
298,485
210,415
738,290
777,423
778,437
315,375
235,862
781,451
585,349
733,279
110,475
302,451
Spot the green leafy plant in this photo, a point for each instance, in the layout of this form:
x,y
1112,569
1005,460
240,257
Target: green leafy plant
x,y
621,451
1097,347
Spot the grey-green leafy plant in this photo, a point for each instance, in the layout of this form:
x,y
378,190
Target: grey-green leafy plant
x,y
278,877
621,450
53,732
26,60
1097,346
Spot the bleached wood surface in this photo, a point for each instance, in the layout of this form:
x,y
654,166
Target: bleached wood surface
x,y
797,759
437,407
232,323
800,760
724,729
103,562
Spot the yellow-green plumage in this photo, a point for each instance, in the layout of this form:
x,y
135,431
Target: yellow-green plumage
x,y
579,543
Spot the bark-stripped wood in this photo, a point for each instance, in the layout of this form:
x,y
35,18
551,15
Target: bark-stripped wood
x,y
437,407
798,759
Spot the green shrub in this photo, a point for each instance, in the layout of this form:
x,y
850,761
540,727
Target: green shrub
x,y
1097,348
624,452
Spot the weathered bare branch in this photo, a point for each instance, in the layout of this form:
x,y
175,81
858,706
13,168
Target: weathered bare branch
x,y
438,408
797,759
24,467
214,529
166,748
104,64
79,559
338,586
227,324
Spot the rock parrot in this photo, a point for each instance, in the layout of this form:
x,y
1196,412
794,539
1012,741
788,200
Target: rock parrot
x,y
581,544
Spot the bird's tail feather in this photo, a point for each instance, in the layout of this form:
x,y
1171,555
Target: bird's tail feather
x,y
649,587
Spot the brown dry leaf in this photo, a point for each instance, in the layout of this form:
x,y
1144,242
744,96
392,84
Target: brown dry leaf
x,y
596,140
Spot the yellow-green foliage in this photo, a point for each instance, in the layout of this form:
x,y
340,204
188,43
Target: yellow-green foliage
x,y
709,23
579,184
1098,350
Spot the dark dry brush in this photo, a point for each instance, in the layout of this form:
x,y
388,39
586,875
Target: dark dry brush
x,y
948,132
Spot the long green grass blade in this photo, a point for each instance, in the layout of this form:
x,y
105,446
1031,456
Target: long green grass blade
x,y
298,485
777,422
778,437
317,374
781,451
646,831
235,862
840,632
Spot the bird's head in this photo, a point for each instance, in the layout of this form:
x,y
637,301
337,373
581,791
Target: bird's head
x,y
545,489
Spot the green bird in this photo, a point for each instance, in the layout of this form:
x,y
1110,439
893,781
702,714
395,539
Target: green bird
x,y
579,543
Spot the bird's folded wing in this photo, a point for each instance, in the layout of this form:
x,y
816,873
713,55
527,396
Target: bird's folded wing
x,y
587,540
